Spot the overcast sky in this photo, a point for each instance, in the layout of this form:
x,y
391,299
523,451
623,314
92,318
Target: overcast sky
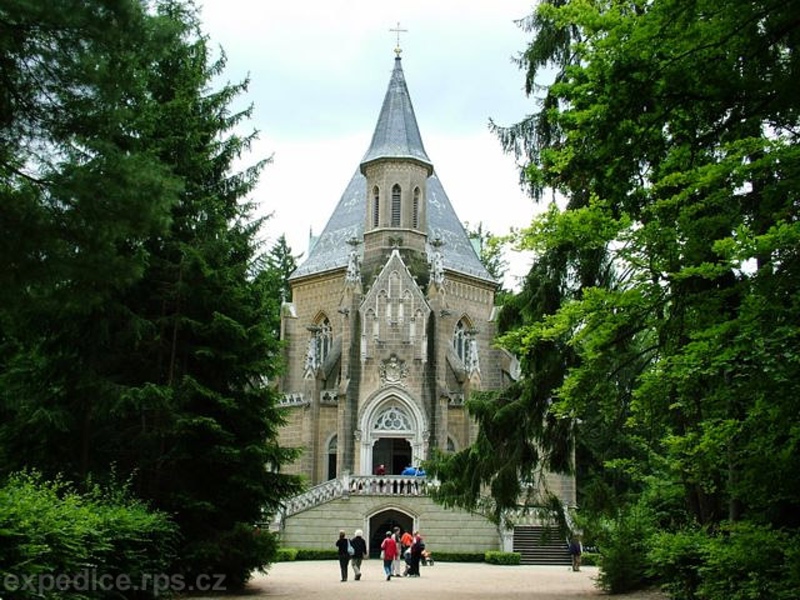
x,y
319,70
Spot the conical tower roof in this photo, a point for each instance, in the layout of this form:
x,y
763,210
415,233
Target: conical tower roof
x,y
396,137
397,133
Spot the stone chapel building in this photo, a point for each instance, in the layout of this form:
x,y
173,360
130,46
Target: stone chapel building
x,y
389,329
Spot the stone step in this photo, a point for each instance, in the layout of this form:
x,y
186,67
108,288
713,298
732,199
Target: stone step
x,y
540,546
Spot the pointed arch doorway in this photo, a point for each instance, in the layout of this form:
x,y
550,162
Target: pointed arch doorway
x,y
393,453
393,432
383,521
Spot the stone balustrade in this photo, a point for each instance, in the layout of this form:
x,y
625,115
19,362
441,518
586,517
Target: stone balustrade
x,y
388,485
357,485
319,494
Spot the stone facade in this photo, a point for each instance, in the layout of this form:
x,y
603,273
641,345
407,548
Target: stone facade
x,y
388,331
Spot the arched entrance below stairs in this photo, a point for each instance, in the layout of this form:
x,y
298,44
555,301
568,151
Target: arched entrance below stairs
x,y
383,521
393,453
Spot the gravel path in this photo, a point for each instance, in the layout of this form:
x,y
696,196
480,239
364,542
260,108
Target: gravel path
x,y
305,580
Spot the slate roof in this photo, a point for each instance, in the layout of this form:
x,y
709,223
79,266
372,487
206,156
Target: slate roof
x,y
397,133
396,136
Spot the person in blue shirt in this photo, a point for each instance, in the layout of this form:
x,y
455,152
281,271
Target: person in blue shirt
x,y
415,471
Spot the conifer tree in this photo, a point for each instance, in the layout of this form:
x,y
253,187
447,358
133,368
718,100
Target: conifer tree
x,y
137,340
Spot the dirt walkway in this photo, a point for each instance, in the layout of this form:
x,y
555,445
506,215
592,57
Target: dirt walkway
x,y
304,580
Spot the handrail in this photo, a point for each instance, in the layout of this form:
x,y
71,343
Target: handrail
x,y
389,485
357,485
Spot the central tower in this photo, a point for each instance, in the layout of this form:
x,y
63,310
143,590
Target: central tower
x,y
397,169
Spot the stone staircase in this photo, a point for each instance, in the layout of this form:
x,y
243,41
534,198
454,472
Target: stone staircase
x,y
352,485
352,501
539,545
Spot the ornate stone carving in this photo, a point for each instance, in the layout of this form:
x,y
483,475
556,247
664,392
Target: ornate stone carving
x,y
473,361
353,274
311,363
437,263
393,418
393,371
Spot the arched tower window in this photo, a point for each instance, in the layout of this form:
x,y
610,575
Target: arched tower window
x,y
415,209
376,206
395,205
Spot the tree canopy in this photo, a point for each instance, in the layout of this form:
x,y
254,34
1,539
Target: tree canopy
x,y
660,319
135,335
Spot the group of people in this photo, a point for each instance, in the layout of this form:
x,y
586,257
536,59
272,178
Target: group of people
x,y
396,548
351,551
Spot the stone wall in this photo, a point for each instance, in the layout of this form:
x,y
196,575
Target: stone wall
x,y
444,530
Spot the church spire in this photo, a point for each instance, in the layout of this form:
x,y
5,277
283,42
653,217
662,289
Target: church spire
x,y
394,200
397,134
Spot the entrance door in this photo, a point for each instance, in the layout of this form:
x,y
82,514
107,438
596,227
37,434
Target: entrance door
x,y
393,453
385,521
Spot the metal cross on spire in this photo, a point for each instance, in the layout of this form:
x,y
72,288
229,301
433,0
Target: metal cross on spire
x,y
398,31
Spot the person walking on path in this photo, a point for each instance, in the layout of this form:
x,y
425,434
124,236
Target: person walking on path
x,y
575,551
359,552
397,560
389,552
406,540
343,551
416,555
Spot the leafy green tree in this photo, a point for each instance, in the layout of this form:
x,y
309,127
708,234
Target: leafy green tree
x,y
490,249
665,293
50,530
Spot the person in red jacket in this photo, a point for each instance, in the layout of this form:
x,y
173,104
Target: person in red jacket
x,y
389,552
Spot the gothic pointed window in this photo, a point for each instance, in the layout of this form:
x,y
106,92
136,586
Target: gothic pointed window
x,y
395,205
376,206
333,450
319,345
415,209
465,343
